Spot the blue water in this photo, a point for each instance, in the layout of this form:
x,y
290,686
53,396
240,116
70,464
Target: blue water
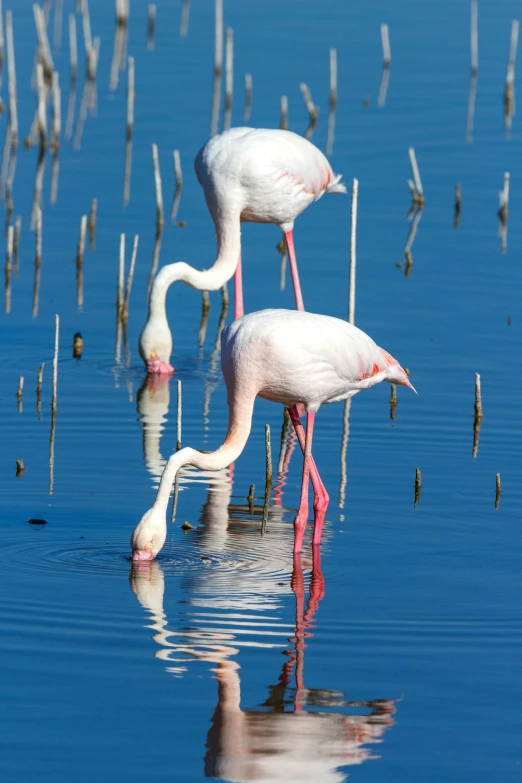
x,y
401,654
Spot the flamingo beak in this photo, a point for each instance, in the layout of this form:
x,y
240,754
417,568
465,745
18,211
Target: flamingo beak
x,y
142,554
405,382
155,365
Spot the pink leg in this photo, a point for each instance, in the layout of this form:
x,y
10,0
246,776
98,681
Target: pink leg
x,y
239,310
302,513
321,498
293,269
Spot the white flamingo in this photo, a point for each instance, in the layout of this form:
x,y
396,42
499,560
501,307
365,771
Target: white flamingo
x,y
247,174
289,357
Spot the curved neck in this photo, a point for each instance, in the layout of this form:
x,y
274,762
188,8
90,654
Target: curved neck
x,y
239,423
228,235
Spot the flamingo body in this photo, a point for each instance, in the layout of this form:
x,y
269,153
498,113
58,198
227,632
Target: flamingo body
x,y
263,176
247,174
295,357
289,357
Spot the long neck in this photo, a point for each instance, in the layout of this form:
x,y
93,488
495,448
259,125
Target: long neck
x,y
228,234
239,423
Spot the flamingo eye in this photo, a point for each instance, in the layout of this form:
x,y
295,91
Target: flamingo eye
x,y
149,545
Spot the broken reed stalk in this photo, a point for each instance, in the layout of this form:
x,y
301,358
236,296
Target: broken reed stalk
x,y
151,26
157,184
56,113
130,98
178,415
130,278
42,105
86,24
9,248
418,486
178,446
92,221
386,50
205,309
73,48
229,66
218,36
13,108
353,259
458,205
121,274
285,428
229,77
81,241
39,381
312,109
20,392
38,237
224,297
1,35
283,122
417,192
93,55
57,29
268,477
504,198
510,72
248,97
8,269
177,169
77,348
54,394
333,77
250,499
16,238
478,398
498,490
393,401
44,50
184,19
216,101
122,12
474,37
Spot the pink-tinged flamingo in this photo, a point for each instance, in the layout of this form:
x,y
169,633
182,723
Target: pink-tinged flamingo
x,y
248,175
289,357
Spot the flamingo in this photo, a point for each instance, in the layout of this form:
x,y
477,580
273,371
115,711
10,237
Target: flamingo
x,y
290,357
247,174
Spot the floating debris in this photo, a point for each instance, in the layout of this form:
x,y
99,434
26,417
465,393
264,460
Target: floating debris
x,y
37,520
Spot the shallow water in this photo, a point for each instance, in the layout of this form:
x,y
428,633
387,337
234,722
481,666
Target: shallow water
x,y
224,658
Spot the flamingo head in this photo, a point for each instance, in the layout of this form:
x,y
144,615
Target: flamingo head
x,y
149,535
395,373
155,346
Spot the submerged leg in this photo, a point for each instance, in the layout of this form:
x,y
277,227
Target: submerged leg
x,y
239,310
302,513
293,269
321,498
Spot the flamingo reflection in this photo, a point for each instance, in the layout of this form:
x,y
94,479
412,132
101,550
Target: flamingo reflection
x,y
282,740
297,733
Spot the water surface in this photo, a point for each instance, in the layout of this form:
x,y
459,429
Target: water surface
x,y
397,656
